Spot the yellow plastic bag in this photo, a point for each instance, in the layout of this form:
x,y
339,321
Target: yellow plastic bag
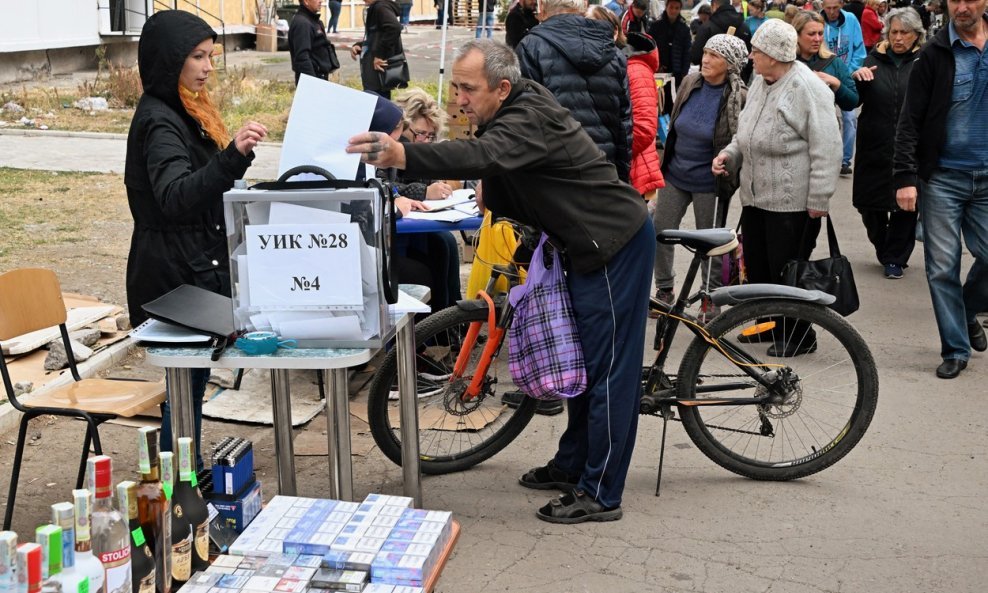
x,y
495,245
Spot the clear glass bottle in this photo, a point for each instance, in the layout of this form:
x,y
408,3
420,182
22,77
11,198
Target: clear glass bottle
x,y
182,534
154,508
111,538
85,562
142,567
188,498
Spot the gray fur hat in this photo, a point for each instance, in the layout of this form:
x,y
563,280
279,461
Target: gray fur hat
x,y
776,39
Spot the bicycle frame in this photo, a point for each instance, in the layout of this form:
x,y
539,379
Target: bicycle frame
x,y
660,392
498,324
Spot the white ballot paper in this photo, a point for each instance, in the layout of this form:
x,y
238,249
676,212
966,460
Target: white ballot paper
x,y
324,116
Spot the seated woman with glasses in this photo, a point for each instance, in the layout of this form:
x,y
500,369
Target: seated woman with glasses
x,y
430,259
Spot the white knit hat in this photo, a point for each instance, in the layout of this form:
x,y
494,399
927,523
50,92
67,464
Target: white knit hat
x,y
776,39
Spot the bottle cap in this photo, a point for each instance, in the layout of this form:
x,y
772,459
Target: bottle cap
x,y
82,511
100,476
185,459
29,559
49,537
147,448
127,498
63,515
167,473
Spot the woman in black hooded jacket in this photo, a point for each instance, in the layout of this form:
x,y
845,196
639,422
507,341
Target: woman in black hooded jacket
x,y
180,161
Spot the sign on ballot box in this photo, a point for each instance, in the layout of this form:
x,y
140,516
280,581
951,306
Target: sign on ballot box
x,y
308,264
305,265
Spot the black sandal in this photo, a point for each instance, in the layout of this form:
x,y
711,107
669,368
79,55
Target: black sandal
x,y
548,477
576,507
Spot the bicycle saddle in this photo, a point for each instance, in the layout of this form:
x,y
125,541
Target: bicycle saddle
x,y
708,241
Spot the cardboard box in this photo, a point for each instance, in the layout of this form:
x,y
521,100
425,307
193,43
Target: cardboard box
x,y
238,513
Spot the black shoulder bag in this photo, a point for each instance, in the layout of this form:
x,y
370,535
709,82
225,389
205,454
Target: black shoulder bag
x,y
831,275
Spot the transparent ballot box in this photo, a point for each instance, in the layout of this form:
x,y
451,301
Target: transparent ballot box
x,y
311,264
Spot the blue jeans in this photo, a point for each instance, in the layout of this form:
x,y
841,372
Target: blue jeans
x,y
335,6
406,14
199,379
850,124
486,18
953,204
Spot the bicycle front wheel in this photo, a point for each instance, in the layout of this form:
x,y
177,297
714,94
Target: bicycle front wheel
x,y
823,396
455,433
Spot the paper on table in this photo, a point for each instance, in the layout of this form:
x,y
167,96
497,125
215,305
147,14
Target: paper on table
x,y
329,328
408,304
153,330
323,117
276,319
449,202
450,216
285,213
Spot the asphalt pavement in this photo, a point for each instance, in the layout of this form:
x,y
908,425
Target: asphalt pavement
x,y
905,511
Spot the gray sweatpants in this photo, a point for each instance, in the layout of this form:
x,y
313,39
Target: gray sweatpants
x,y
670,208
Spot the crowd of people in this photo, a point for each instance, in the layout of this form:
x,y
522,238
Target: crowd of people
x,y
567,117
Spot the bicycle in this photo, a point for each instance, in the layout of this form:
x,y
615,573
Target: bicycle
x,y
776,387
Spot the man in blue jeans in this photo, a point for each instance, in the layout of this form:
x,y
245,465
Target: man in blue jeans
x,y
842,33
940,146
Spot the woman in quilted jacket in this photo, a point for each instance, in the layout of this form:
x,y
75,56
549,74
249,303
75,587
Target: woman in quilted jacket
x,y
703,121
643,63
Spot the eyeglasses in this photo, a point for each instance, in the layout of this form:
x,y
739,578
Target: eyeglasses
x,y
427,136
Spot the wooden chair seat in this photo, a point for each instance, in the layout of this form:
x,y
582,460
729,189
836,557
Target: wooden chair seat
x,y
102,396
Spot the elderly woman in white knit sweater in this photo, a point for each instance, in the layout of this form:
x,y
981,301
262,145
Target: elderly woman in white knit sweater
x,y
788,147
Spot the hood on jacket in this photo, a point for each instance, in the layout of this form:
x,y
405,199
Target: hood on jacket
x,y
167,39
642,47
588,44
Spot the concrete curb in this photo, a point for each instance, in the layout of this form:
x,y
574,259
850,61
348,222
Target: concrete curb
x,y
70,134
10,417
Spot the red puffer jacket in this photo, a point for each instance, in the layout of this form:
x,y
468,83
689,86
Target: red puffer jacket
x,y
645,174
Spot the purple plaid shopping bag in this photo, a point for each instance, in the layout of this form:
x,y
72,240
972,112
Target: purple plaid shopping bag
x,y
545,355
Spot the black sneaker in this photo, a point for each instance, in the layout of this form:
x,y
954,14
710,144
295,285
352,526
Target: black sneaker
x,y
845,170
548,477
545,407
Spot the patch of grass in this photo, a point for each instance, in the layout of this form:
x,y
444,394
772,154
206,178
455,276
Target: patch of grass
x,y
241,94
52,208
277,60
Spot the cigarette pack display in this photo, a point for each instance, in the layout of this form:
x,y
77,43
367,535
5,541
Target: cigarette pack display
x,y
227,560
291,586
256,583
299,573
233,465
339,580
308,560
205,579
232,581
379,588
281,560
338,560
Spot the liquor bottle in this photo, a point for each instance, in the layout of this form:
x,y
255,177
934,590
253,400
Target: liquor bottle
x,y
154,508
181,543
85,562
142,566
188,498
111,538
63,515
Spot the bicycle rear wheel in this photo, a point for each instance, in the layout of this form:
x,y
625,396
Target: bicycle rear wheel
x,y
454,434
827,389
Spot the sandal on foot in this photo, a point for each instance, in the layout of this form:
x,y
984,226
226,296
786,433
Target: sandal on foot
x,y
576,507
548,477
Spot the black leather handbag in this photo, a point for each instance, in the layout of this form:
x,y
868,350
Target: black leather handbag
x,y
395,75
831,275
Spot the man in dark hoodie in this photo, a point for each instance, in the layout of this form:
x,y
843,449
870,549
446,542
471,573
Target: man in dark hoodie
x,y
723,18
180,161
576,59
673,39
540,168
311,51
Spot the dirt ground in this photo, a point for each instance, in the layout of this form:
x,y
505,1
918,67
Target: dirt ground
x,y
79,225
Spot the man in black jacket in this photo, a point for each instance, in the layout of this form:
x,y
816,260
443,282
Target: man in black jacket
x,y
673,39
723,18
311,51
939,146
576,59
520,20
540,168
